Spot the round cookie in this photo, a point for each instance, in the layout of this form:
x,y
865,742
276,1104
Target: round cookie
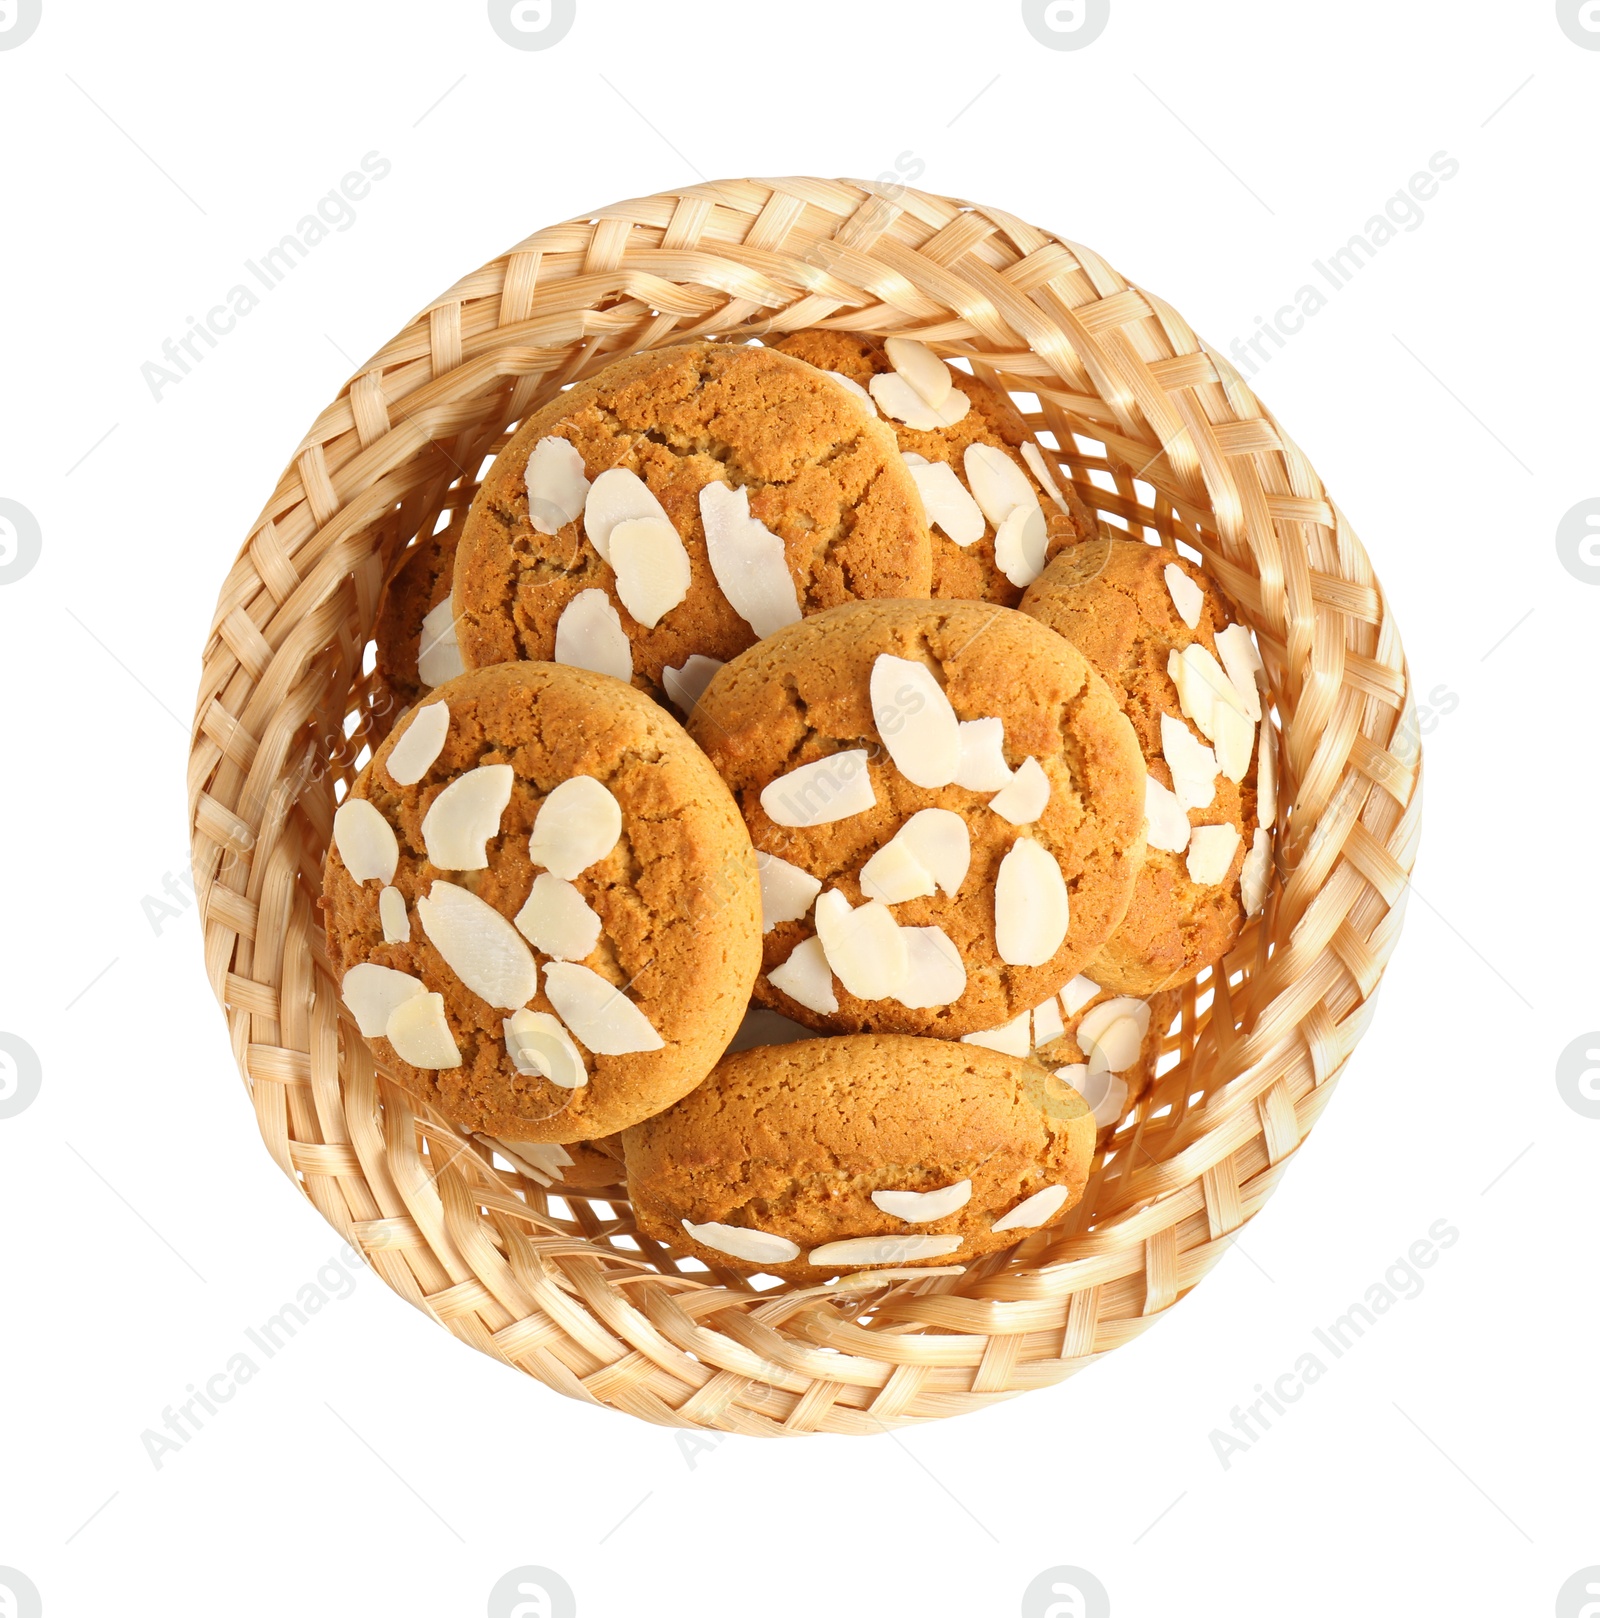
x,y
960,572
799,1158
972,916
813,506
1118,602
541,905
417,588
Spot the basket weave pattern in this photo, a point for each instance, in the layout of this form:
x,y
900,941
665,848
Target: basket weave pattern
x,y
1161,438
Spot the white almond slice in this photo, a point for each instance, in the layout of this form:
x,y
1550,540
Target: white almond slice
x,y
617,495
1256,873
1237,649
805,978
942,844
946,501
856,391
420,1033
420,744
1203,666
589,635
1114,1031
1020,543
579,823
438,651
1024,797
1031,913
787,892
1048,1026
652,567
911,458
895,874
365,840
923,1207
998,484
748,560
1267,777
1040,468
1166,825
982,765
1104,1091
598,1013
1235,742
372,992
746,1245
1187,596
1195,698
1078,994
479,945
864,947
687,685
538,1044
921,367
1211,851
1013,1038
557,485
861,1250
541,1161
392,917
915,720
816,794
935,973
461,820
763,1027
558,920
901,402
1039,1209
1192,763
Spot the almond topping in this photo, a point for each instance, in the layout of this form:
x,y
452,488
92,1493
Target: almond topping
x,y
1192,763
479,945
1024,797
805,978
1039,1209
1031,913
946,501
372,992
1211,851
1256,873
748,560
652,567
537,1043
557,485
864,947
558,920
982,765
578,824
746,1245
863,1250
419,744
392,917
438,651
365,840
816,794
923,1207
461,820
1166,825
589,635
686,686
1187,596
420,1033
915,720
617,495
786,891
935,972
597,1012
1012,1037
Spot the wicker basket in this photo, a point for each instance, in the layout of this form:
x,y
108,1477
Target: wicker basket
x,y
1161,437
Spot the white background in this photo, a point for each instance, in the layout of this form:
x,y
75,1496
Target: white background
x,y
1447,396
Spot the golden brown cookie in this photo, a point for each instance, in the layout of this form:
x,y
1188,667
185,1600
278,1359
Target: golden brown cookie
x,y
988,888
541,905
700,496
1122,603
960,572
835,1155
418,587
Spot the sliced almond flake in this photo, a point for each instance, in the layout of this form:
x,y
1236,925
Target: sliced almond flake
x,y
1020,543
538,1044
946,501
860,1250
942,844
420,1033
589,635
597,1012
901,402
461,820
1024,797
1192,763
1012,1037
895,874
1048,1026
1236,740
541,1161
1040,468
1166,825
557,485
579,823
787,892
923,1207
365,840
617,495
998,484
921,367
1104,1091
763,1027
479,945
1237,649
557,920
743,1243
805,978
1187,596
687,685
1114,1031
1031,913
856,391
748,560
1256,873
982,765
818,793
935,972
1203,666
438,650
392,917
1211,851
419,744
652,567
372,992
1031,1212
915,720
1267,777
864,947
1078,994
